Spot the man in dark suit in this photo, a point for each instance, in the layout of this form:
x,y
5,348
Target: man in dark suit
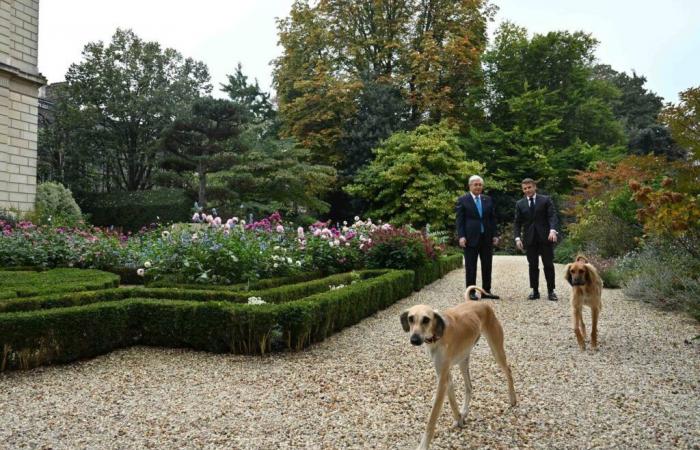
x,y
476,229
535,212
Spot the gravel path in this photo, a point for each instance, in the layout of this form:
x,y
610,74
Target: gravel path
x,y
367,387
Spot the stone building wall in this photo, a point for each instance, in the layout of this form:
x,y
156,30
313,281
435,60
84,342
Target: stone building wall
x,y
19,84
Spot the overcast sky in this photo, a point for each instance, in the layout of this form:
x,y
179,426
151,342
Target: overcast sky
x,y
660,40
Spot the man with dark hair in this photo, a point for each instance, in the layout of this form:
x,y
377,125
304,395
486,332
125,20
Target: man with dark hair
x,y
476,229
535,212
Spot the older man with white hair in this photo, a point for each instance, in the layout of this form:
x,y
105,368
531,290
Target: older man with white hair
x,y
476,229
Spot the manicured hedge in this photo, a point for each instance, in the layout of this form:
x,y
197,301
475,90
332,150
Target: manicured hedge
x,y
111,320
16,283
59,328
436,270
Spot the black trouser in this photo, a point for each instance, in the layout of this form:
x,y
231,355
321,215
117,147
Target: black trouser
x,y
534,251
484,251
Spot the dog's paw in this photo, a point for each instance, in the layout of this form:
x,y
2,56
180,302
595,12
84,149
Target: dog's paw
x,y
459,423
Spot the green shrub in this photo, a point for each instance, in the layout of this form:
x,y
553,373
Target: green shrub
x,y
134,210
55,205
566,251
32,283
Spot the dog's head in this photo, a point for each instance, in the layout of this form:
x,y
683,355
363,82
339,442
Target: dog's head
x,y
578,272
424,323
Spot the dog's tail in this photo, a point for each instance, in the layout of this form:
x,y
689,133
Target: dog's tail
x,y
471,289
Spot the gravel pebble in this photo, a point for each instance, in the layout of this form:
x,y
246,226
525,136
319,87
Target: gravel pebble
x,y
367,387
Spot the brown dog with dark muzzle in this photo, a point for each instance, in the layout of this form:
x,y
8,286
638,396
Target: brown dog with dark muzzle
x,y
587,289
450,336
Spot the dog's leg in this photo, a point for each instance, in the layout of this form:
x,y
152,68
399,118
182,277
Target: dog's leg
x,y
582,325
464,367
594,327
494,336
453,400
577,313
443,380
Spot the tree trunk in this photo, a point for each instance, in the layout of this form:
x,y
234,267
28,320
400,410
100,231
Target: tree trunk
x,y
202,185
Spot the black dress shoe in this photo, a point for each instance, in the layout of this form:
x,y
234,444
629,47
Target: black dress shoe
x,y
490,295
534,295
552,296
472,296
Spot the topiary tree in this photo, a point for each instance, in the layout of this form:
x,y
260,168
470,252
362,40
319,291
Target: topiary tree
x,y
55,205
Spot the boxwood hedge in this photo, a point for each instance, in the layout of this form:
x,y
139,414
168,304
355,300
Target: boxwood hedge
x,y
64,327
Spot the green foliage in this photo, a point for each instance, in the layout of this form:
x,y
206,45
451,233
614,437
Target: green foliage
x,y
549,116
133,210
55,205
682,119
335,52
203,140
30,283
112,109
120,317
416,177
273,176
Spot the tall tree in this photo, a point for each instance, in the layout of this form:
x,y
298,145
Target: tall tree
x,y
548,115
416,177
118,100
683,120
428,51
204,140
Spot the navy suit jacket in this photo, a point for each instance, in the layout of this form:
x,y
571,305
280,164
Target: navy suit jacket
x,y
469,222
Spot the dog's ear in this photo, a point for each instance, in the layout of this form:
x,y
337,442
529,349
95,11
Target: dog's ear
x,y
404,321
588,273
581,258
439,324
567,274
592,274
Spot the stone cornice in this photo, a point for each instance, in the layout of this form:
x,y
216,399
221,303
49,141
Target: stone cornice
x,y
37,79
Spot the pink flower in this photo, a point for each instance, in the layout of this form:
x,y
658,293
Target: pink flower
x,y
195,217
280,229
300,232
217,222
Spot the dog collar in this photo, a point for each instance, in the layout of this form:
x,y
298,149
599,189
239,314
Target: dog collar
x,y
432,340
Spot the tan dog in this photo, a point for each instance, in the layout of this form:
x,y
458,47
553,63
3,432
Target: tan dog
x,y
587,289
450,336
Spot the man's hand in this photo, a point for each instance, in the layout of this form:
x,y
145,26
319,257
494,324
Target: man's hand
x,y
552,236
462,242
519,244
495,241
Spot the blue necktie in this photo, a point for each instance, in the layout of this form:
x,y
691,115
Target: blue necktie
x,y
481,212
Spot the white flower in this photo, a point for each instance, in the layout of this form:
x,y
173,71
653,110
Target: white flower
x,y
330,243
275,265
334,288
195,217
336,242
280,229
147,264
298,263
256,301
194,237
357,218
234,258
289,260
300,232
345,222
165,234
276,247
140,272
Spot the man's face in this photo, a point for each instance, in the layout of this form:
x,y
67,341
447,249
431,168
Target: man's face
x,y
476,186
529,189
